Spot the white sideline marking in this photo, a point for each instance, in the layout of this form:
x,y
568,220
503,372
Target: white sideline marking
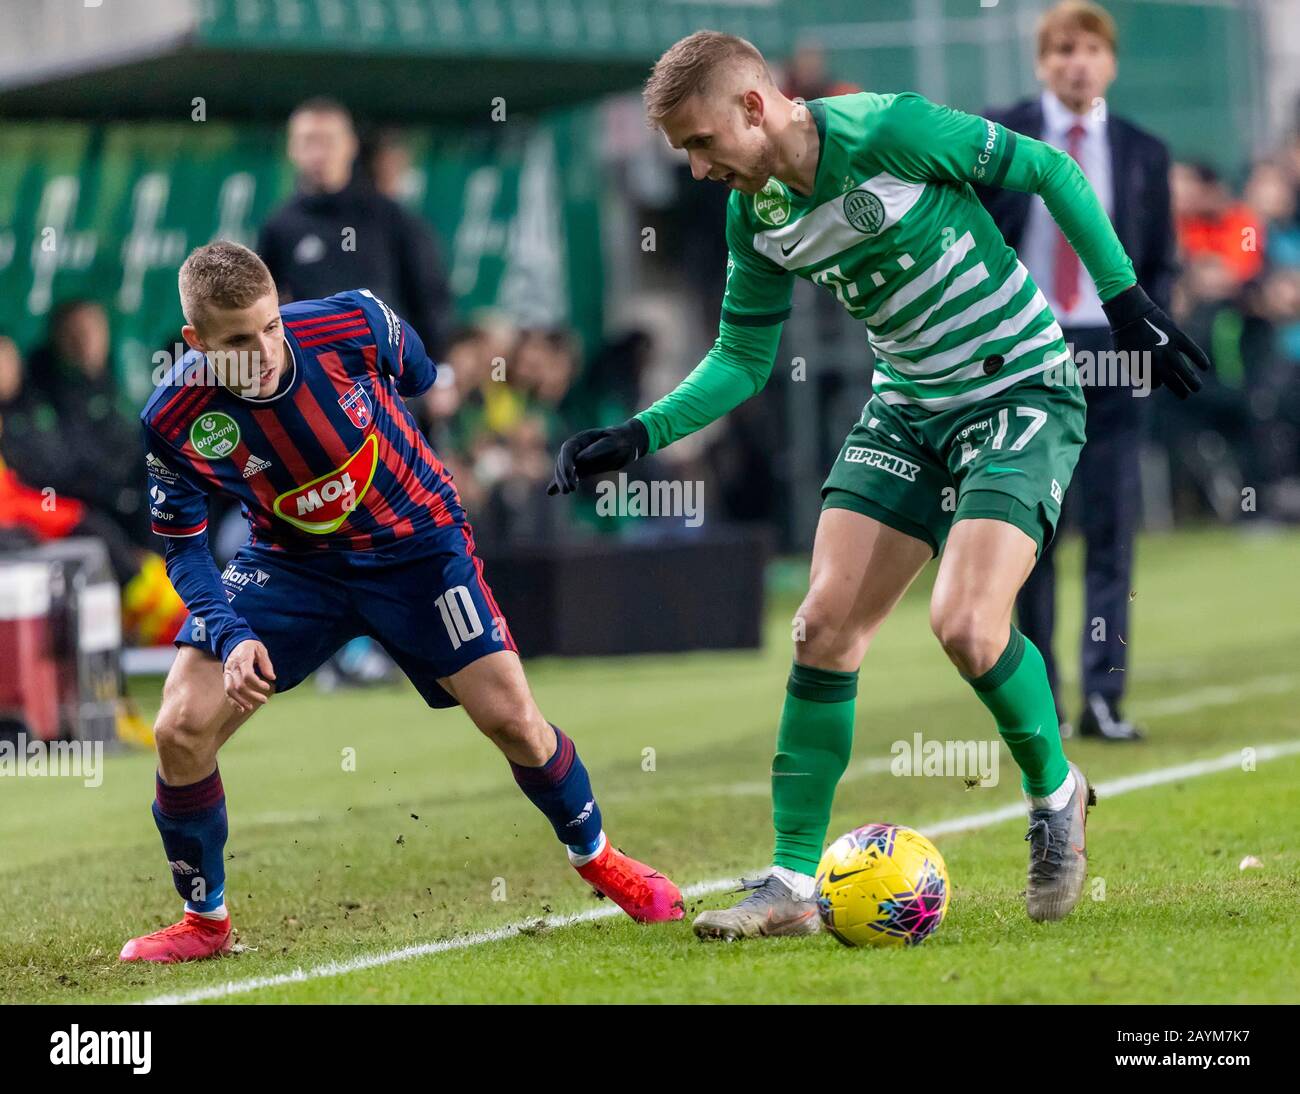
x,y
1211,696
1113,789
1219,695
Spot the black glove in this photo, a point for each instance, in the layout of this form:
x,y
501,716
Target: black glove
x,y
1138,326
595,450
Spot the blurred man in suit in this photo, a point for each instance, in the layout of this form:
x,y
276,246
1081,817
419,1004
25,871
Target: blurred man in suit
x,y
1129,169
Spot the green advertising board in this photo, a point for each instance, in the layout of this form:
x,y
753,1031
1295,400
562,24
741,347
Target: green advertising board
x,y
109,212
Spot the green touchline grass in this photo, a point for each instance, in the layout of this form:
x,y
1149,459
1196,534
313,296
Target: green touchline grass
x,y
429,838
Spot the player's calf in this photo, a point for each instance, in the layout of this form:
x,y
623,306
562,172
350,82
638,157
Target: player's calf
x,y
189,810
547,768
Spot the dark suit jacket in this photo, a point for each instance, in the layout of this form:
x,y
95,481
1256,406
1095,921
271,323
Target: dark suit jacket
x,y
1141,213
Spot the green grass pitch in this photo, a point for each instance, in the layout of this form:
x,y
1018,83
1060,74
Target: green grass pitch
x,y
429,841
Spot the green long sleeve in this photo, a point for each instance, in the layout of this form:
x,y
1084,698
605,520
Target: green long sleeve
x,y
1038,168
737,367
922,140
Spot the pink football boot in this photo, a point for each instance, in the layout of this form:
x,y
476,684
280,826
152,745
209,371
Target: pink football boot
x,y
640,890
192,939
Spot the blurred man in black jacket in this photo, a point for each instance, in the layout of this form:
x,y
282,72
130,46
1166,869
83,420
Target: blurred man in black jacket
x,y
1129,169
98,463
337,232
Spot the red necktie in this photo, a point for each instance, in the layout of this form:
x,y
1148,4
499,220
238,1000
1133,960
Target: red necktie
x,y
1065,263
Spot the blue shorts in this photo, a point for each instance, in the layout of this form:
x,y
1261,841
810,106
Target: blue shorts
x,y
434,614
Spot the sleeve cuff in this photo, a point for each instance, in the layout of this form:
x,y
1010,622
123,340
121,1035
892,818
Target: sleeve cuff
x,y
179,533
768,319
241,634
652,443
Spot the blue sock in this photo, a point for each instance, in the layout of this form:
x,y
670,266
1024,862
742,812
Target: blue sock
x,y
192,822
561,789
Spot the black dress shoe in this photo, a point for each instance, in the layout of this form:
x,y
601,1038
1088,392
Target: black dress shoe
x,y
1100,719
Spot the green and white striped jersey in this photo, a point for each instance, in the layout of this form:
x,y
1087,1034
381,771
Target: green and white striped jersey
x,y
895,231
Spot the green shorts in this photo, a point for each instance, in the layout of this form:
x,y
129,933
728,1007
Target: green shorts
x,y
1008,457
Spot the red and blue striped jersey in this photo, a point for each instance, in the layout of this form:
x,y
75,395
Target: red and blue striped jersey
x,y
333,460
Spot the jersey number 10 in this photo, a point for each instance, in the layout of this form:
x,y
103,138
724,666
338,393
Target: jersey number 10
x,y
459,615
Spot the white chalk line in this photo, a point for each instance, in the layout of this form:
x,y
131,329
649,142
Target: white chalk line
x,y
1112,789
1198,699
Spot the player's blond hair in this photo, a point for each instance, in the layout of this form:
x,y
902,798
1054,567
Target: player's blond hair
x,y
222,275
1072,16
687,68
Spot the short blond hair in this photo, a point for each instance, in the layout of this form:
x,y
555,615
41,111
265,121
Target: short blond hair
x,y
687,67
1073,16
223,275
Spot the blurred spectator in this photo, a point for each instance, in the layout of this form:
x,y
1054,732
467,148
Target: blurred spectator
x,y
338,232
32,512
806,76
389,167
1271,194
1216,445
71,373
545,363
615,380
31,442
515,419
1212,222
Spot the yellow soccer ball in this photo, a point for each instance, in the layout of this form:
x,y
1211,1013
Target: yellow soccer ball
x,y
882,885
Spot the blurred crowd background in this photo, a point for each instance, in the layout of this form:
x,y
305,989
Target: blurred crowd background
x,y
563,268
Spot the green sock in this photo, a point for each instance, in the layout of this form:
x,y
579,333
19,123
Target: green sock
x,y
1019,697
812,751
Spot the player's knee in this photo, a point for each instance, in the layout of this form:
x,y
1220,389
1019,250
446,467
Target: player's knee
x,y
177,734
520,733
969,635
181,733
819,629
825,637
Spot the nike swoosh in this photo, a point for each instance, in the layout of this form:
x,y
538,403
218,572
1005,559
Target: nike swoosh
x,y
786,252
1164,338
994,469
835,878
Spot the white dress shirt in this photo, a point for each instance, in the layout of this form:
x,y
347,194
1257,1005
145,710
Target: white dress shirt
x,y
1038,248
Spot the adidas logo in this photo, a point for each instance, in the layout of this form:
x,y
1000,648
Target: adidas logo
x,y
587,810
255,466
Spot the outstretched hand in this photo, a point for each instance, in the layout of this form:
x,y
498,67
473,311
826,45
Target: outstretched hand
x,y
593,451
1139,326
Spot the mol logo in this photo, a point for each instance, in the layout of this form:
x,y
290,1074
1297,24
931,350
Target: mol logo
x,y
323,504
